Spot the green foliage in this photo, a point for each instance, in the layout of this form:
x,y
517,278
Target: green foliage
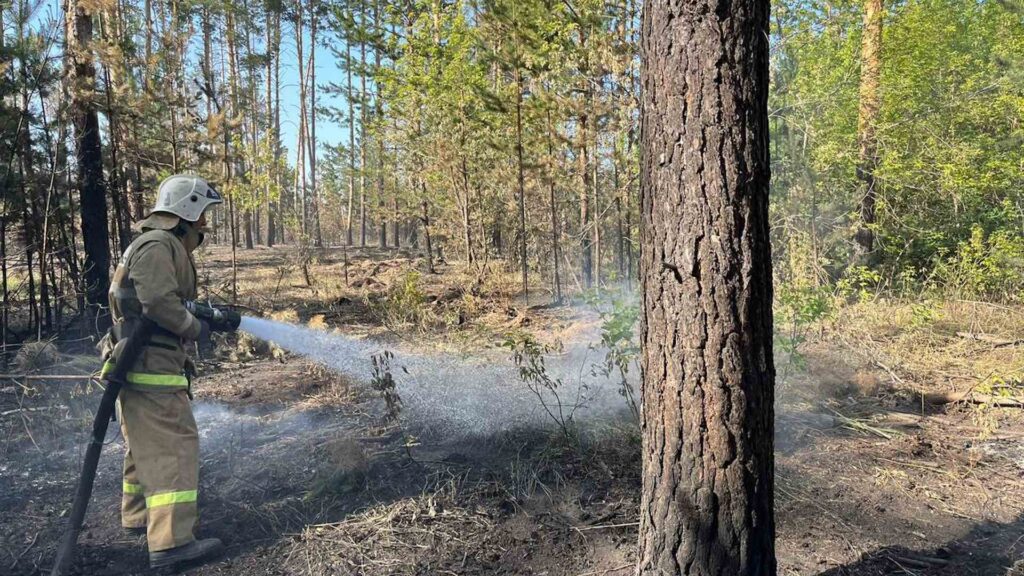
x,y
797,310
949,138
987,266
622,350
859,283
404,304
383,382
528,356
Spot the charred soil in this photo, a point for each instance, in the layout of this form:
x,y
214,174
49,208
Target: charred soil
x,y
303,474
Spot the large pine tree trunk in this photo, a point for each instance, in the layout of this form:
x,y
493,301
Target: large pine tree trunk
x,y
92,189
708,375
867,118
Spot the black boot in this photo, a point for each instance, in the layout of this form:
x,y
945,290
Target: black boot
x,y
195,550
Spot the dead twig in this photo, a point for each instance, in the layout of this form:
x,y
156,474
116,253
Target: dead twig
x,y
39,409
25,551
995,341
974,398
605,571
605,526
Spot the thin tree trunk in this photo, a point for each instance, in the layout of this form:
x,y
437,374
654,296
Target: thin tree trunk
x,y
68,231
522,186
276,208
555,251
425,218
620,257
382,230
351,144
395,241
30,195
867,119
596,207
117,182
272,136
314,191
92,188
464,206
708,377
362,132
300,172
5,313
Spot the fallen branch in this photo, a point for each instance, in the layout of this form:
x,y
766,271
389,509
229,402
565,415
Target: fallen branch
x,y
48,376
605,571
39,409
603,526
29,547
919,560
974,398
988,338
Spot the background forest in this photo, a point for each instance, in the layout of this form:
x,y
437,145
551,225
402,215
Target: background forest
x,y
500,133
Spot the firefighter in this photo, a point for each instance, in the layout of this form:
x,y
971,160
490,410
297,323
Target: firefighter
x,y
161,463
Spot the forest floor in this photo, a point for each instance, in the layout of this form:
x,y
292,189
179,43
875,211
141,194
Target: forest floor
x,y
898,451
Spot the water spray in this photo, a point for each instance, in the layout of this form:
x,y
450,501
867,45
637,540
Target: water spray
x,y
448,394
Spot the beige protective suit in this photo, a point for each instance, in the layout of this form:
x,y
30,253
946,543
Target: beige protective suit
x,y
161,463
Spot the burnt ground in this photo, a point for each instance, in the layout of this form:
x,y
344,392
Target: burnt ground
x,y
302,474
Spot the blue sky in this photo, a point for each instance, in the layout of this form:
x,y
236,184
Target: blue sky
x,y
327,70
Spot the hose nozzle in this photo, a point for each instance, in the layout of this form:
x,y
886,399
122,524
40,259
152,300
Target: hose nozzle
x,y
219,319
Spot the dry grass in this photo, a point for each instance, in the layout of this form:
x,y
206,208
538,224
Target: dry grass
x,y
397,538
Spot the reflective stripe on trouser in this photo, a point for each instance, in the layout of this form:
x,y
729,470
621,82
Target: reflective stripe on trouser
x,y
163,448
133,502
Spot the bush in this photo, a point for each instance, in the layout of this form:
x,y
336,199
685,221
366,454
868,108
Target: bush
x,y
797,310
404,303
618,338
987,266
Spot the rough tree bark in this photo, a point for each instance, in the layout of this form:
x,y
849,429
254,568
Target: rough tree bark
x,y
867,118
92,189
708,375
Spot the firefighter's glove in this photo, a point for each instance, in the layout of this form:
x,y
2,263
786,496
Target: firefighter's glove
x,y
225,321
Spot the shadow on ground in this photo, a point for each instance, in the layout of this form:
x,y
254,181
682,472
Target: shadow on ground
x,y
988,549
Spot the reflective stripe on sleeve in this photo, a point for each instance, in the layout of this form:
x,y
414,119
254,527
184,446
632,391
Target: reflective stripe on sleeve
x,y
132,488
149,379
168,498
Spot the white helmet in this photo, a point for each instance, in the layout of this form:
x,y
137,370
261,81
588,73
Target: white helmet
x,y
186,196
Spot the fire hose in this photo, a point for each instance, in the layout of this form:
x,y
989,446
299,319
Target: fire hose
x,y
218,319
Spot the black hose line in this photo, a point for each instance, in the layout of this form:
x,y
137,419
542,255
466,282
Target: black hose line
x,y
137,341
